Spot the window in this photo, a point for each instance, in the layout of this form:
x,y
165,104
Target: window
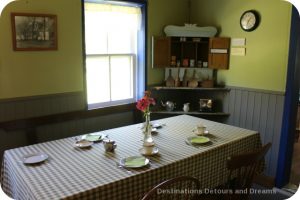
x,y
112,35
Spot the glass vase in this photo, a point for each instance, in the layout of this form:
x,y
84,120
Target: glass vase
x,y
148,140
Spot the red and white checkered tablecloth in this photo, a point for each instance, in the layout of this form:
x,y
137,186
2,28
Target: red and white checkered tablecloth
x,y
72,173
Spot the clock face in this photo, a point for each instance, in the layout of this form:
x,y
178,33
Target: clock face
x,y
249,20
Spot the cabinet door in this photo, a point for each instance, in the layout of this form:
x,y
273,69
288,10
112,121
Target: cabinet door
x,y
218,57
161,51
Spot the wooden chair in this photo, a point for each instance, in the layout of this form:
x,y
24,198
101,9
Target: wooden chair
x,y
172,188
242,170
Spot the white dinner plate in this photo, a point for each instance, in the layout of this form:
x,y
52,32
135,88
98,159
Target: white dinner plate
x,y
198,140
83,143
94,137
35,158
143,151
134,162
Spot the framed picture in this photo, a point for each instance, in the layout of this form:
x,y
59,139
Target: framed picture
x,y
34,32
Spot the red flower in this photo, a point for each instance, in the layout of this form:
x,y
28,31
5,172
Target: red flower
x,y
144,103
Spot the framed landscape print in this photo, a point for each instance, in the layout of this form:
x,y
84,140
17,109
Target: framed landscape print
x,y
34,32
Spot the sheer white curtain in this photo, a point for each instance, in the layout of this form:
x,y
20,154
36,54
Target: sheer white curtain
x,y
111,29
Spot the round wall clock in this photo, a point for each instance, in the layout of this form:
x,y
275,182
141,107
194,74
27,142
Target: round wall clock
x,y
249,20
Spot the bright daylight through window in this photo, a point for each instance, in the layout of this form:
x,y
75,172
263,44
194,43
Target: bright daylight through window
x,y
111,33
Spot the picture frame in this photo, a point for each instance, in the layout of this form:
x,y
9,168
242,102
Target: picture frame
x,y
34,32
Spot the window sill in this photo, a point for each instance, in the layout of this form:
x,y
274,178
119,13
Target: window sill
x,y
111,109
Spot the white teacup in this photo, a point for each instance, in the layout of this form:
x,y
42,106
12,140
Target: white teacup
x,y
109,145
200,130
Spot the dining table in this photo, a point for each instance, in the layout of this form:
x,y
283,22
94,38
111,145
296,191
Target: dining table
x,y
70,172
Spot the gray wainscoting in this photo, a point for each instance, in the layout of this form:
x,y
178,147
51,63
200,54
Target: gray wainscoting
x,y
21,108
83,126
258,110
26,107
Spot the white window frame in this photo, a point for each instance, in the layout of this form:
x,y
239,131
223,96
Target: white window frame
x,y
134,81
140,57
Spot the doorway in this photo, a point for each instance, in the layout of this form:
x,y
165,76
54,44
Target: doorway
x,y
295,166
290,104
287,138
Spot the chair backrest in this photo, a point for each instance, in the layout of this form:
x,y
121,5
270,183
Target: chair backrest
x,y
243,168
183,187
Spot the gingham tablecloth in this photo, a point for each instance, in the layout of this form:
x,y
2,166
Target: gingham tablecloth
x,y
72,173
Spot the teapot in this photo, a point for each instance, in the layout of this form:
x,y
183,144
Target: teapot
x,y
169,105
186,107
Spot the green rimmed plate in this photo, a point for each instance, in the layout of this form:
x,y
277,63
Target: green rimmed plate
x,y
134,162
198,140
93,137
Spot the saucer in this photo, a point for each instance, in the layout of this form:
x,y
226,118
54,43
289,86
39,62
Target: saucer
x,y
144,152
206,132
157,125
83,143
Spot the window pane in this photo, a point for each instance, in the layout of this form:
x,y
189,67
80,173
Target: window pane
x,y
121,77
122,33
111,29
111,39
95,33
121,41
97,72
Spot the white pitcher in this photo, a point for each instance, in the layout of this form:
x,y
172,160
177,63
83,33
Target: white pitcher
x,y
186,107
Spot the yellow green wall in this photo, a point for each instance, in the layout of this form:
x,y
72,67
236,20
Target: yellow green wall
x,y
31,73
160,14
34,73
265,63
